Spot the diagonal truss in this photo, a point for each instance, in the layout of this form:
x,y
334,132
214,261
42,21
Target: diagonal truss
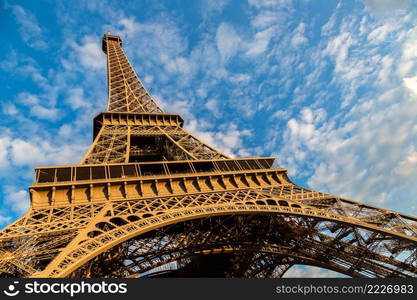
x,y
150,200
126,91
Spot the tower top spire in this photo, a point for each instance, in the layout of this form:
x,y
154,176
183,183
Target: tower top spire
x,y
109,37
126,91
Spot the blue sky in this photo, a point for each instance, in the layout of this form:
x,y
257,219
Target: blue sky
x,y
327,87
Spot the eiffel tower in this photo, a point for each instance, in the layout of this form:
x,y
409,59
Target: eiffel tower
x,y
151,200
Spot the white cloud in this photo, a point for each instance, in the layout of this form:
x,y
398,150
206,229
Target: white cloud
x,y
65,130
261,42
213,7
227,41
4,145
162,37
178,65
380,33
27,99
229,139
24,66
240,78
347,160
266,18
268,3
281,114
338,47
364,148
408,165
299,38
17,199
165,46
89,53
411,84
25,153
386,7
29,28
4,219
213,106
76,98
46,113
19,152
9,109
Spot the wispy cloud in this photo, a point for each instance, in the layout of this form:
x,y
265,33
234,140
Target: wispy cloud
x,y
332,95
381,8
29,28
18,199
227,41
364,147
89,53
261,41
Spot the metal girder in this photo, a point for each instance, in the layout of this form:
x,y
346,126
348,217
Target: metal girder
x,y
150,199
126,91
125,220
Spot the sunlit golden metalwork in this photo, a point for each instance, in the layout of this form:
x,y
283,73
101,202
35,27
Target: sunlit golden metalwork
x,y
150,199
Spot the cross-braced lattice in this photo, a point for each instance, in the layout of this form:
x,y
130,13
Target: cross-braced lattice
x,y
150,199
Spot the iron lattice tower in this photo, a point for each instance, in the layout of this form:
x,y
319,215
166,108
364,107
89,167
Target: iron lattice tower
x,y
150,199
